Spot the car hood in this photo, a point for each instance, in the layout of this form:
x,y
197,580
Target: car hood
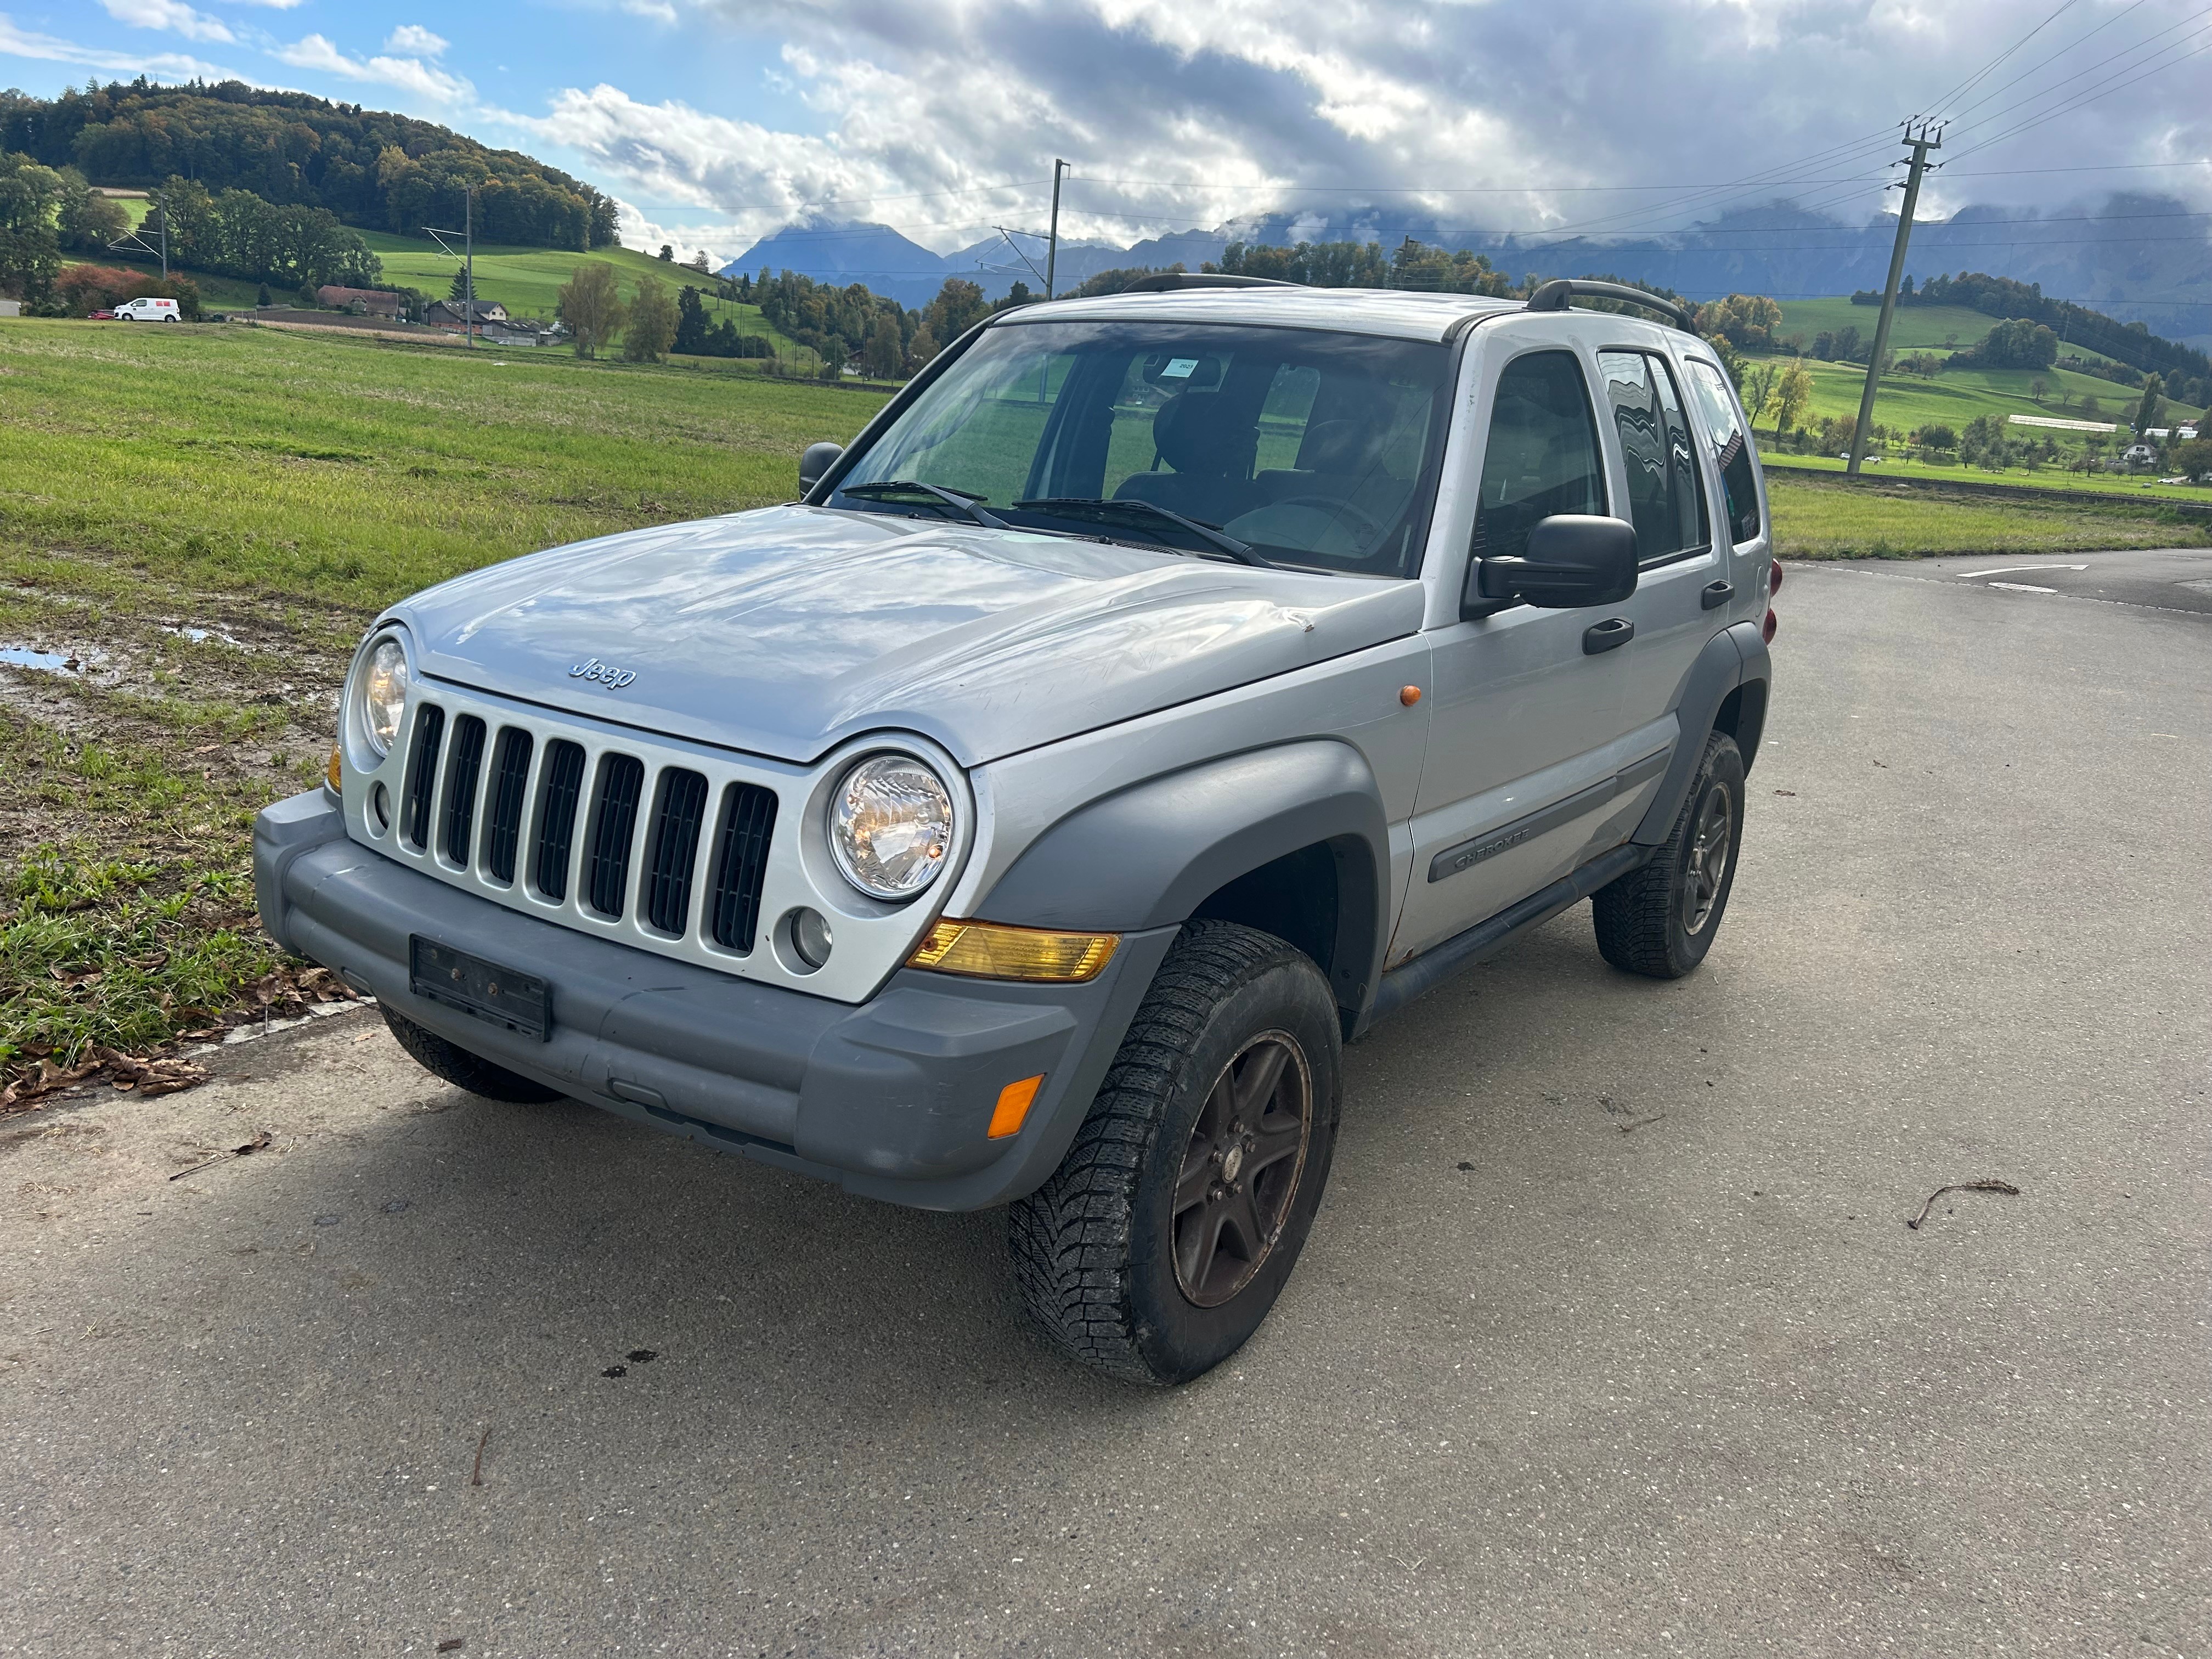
x,y
787,630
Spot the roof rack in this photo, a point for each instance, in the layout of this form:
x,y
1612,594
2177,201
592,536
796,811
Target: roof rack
x,y
1170,281
1554,295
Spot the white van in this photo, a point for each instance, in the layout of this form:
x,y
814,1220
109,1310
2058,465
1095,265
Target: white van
x,y
148,310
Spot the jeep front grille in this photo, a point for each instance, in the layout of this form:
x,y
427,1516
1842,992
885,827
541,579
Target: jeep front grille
x,y
556,817
741,859
461,787
422,775
614,821
510,775
675,820
597,832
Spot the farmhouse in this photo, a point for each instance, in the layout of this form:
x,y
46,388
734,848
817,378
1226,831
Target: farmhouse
x,y
454,313
361,302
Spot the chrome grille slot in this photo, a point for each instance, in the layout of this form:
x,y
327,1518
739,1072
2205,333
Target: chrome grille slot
x,y
677,817
741,850
461,780
614,825
422,775
510,778
557,817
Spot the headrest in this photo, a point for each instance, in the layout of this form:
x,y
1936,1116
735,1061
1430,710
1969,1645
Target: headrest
x,y
1194,436
1341,446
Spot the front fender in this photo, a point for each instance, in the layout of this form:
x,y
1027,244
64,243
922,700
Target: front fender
x,y
1151,854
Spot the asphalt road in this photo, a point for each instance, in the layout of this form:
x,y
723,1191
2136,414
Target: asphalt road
x,y
1611,1339
2166,579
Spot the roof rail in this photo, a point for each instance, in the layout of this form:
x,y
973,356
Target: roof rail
x,y
1554,295
1170,281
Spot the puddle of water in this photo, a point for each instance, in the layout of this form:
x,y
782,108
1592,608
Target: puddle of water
x,y
46,662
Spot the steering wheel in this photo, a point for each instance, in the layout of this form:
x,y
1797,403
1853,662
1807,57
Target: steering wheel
x,y
1337,508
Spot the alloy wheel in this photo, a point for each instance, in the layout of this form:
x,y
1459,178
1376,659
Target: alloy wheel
x,y
1241,1169
1709,858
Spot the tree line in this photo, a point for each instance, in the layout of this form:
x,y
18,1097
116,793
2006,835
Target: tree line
x,y
368,167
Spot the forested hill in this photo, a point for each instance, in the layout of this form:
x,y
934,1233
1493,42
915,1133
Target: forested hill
x,y
371,168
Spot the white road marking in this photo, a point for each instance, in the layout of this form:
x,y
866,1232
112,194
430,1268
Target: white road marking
x,y
2022,588
2009,570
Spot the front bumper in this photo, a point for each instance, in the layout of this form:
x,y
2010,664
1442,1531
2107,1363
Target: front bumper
x,y
890,1098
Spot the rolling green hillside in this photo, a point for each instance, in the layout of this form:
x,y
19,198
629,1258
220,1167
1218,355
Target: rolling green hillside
x,y
1917,328
526,279
1956,396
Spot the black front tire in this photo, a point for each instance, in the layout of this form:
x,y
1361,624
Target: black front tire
x,y
444,1058
1659,920
1164,1238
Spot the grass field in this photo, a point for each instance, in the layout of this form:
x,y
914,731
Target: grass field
x,y
526,279
1916,328
197,523
2052,478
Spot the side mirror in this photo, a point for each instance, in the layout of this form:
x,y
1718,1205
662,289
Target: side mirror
x,y
818,460
1573,560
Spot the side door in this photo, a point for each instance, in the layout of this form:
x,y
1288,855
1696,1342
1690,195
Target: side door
x,y
1740,488
1684,589
1526,738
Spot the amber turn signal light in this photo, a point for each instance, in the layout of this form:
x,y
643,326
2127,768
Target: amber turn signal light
x,y
1013,1107
1409,695
984,949
334,776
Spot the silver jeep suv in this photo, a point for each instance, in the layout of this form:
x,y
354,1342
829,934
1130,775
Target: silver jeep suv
x,y
1159,691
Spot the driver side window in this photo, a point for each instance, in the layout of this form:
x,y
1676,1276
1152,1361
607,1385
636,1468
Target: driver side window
x,y
1542,455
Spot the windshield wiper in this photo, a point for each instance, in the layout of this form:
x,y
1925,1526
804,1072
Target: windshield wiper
x,y
1078,507
891,488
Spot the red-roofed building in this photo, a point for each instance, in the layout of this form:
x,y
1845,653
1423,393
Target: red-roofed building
x,y
361,302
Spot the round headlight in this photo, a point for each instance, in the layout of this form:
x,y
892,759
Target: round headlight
x,y
891,826
383,694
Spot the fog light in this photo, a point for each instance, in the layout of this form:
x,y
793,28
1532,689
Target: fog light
x,y
379,807
985,950
811,938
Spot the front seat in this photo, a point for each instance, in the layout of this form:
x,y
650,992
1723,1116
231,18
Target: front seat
x,y
1212,461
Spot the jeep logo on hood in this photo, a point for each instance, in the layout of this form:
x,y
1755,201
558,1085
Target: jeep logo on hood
x,y
612,677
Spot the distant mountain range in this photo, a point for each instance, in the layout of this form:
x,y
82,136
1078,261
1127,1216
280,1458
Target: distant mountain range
x,y
2140,258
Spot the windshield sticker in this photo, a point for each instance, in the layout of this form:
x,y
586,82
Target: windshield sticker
x,y
1179,369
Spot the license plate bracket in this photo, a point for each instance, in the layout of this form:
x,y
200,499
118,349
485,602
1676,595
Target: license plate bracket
x,y
502,996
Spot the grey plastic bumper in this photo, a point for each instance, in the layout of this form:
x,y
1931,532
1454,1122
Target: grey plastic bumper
x,y
891,1099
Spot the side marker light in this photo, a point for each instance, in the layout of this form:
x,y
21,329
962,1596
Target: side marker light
x,y
1409,695
1013,1107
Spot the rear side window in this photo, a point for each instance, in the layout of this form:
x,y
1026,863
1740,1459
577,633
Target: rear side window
x,y
1543,453
1731,448
1665,497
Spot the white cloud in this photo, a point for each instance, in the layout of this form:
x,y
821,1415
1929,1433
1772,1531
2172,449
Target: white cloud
x,y
1178,113
415,41
314,52
169,14
160,65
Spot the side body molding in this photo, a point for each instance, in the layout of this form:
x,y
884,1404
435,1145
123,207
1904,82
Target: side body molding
x,y
1149,856
1734,657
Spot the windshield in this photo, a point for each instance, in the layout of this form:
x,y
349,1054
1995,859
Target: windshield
x,y
1308,447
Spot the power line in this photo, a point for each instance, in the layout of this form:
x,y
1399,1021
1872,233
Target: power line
x,y
2073,46
1967,85
2090,96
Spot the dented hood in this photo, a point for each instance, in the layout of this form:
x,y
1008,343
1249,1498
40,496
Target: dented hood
x,y
785,631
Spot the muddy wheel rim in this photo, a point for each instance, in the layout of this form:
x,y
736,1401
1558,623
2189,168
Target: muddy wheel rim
x,y
1241,1167
1709,858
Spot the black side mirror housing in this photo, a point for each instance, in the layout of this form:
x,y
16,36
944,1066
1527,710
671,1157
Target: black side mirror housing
x,y
818,460
1573,560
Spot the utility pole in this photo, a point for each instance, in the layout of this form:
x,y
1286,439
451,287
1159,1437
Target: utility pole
x,y
1052,245
469,240
1922,138
468,235
162,205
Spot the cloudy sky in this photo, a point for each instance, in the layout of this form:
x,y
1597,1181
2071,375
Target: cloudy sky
x,y
715,121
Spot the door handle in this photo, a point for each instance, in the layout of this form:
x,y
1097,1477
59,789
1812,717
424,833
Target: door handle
x,y
1716,594
1603,636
